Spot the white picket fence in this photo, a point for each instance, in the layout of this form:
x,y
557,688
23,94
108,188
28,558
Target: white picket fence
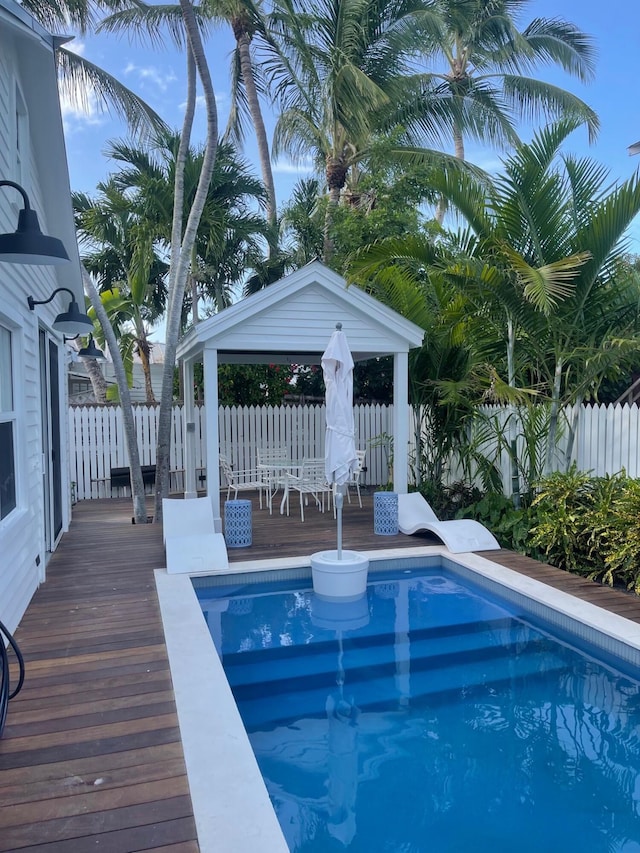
x,y
97,440
607,440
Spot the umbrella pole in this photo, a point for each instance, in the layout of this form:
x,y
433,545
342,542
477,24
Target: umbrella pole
x,y
339,500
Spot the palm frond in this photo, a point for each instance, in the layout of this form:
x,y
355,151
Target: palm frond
x,y
80,79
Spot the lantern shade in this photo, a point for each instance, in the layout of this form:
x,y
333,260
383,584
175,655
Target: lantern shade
x,y
71,322
91,351
28,245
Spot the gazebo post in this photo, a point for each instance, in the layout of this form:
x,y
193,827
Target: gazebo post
x,y
400,422
188,415
210,373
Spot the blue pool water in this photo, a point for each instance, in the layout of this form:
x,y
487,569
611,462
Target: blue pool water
x,y
430,717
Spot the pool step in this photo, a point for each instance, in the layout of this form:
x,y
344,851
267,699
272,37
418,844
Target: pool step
x,y
433,680
286,662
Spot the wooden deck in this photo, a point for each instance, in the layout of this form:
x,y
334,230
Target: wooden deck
x,y
91,756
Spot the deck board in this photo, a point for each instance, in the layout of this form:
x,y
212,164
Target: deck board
x,y
91,755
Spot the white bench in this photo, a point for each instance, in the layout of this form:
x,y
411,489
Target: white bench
x,y
190,541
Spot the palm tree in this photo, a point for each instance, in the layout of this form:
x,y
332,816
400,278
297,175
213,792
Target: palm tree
x,y
229,230
123,260
245,18
556,228
487,57
536,269
184,235
341,76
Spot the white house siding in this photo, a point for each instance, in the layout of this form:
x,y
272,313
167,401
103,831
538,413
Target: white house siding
x,y
309,317
26,57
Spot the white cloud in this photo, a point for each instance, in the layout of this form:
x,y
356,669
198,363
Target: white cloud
x,y
80,111
221,100
76,46
285,167
150,74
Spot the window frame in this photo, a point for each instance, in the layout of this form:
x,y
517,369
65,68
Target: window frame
x,y
11,416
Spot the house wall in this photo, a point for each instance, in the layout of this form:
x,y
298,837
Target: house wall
x,y
26,67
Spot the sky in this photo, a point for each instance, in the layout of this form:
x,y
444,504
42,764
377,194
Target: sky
x,y
158,76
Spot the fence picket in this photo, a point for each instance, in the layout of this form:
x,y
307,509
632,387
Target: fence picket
x,y
607,439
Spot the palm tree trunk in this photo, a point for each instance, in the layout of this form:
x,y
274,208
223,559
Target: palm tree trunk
x,y
181,246
513,435
458,142
193,281
553,417
246,66
573,428
98,382
143,352
137,483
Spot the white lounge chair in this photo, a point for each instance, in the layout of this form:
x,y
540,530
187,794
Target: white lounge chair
x,y
459,535
190,541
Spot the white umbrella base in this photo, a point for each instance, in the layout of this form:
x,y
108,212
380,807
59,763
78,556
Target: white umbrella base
x,y
344,578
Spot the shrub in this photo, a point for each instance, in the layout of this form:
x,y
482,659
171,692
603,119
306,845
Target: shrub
x,y
448,501
590,526
509,525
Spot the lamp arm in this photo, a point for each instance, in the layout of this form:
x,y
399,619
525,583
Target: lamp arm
x,y
20,189
33,302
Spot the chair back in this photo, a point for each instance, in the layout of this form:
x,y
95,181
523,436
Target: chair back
x,y
227,470
188,516
272,454
313,473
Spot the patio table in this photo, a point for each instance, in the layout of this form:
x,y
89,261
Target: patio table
x,y
283,469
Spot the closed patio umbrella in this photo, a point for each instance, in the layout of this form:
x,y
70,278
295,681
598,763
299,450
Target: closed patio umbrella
x,y
340,447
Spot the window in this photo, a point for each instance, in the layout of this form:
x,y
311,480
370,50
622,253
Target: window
x,y
7,426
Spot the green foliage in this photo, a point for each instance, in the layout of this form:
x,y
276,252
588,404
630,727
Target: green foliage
x,y
590,526
622,538
253,384
449,501
509,525
564,503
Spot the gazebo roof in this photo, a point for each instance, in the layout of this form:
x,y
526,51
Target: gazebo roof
x,y
291,322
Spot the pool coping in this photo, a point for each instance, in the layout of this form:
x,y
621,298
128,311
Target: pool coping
x,y
232,810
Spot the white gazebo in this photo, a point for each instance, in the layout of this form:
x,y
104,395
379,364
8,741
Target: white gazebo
x,y
290,322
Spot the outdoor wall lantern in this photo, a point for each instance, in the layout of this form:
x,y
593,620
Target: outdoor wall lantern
x,y
91,351
70,322
28,245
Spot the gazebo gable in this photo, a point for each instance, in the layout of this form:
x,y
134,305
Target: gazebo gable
x,y
295,318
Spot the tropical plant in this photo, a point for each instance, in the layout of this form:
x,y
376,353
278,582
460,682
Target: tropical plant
x,y
230,231
184,235
121,256
245,17
547,244
342,77
487,56
131,437
78,78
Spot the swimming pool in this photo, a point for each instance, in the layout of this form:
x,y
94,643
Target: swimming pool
x,y
433,715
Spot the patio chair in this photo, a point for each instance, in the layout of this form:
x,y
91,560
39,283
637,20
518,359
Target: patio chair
x,y
249,480
190,541
354,480
458,535
311,481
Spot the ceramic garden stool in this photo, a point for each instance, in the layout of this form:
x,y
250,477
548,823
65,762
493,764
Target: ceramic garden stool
x,y
385,513
237,524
